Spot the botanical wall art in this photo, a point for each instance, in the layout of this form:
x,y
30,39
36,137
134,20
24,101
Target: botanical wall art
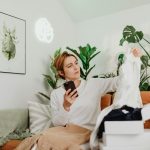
x,y
12,44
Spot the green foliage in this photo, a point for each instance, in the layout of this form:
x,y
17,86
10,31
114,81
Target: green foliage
x,y
51,78
144,83
85,54
130,35
105,75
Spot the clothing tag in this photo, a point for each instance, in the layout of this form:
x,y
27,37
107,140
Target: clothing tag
x,y
125,111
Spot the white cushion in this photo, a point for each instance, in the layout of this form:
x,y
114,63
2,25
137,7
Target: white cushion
x,y
39,116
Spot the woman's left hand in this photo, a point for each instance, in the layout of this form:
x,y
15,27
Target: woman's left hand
x,y
136,52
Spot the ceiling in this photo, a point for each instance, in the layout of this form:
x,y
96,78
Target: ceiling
x,y
81,10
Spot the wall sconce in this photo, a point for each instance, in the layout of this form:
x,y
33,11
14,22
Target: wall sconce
x,y
44,30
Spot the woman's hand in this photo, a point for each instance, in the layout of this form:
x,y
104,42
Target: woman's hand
x,y
69,99
136,52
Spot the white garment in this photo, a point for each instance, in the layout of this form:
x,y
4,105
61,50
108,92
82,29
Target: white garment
x,y
127,93
85,110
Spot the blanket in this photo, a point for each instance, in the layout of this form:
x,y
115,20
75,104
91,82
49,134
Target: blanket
x,y
69,137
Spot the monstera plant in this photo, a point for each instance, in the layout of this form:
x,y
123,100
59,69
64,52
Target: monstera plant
x,y
130,35
52,77
85,54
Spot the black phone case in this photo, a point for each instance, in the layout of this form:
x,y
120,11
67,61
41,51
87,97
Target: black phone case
x,y
69,85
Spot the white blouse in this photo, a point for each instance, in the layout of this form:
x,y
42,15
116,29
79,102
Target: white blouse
x,y
85,110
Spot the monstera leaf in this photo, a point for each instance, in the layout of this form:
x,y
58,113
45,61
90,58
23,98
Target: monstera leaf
x,y
145,60
131,35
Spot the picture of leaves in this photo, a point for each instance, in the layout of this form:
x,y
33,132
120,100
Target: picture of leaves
x,y
8,43
12,44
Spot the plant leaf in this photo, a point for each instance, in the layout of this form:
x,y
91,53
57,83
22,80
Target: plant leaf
x,y
50,81
82,73
44,95
75,52
57,53
122,41
89,70
144,87
93,56
83,51
131,35
145,78
121,58
144,60
91,50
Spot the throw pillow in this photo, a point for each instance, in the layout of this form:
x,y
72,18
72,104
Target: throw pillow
x,y
8,125
12,120
40,116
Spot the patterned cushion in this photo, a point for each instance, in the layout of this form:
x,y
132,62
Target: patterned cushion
x,y
40,116
8,125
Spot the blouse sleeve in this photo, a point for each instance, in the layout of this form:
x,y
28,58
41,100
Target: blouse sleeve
x,y
59,115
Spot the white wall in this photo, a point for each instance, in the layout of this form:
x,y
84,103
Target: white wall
x,y
106,32
16,90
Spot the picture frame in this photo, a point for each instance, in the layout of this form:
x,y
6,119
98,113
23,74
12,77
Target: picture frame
x,y
12,44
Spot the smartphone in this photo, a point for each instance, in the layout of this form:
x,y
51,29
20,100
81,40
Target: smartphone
x,y
69,85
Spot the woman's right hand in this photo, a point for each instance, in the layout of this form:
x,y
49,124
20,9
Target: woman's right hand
x,y
69,99
136,52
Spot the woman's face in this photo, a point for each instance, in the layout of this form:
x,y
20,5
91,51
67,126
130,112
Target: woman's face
x,y
71,68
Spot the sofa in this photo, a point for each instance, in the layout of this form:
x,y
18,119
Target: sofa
x,y
106,101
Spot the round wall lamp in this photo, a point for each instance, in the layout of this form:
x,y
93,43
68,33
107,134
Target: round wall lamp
x,y
44,30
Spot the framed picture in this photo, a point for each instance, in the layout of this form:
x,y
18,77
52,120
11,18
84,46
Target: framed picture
x,y
12,44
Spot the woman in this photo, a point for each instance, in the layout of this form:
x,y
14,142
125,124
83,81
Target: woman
x,y
74,113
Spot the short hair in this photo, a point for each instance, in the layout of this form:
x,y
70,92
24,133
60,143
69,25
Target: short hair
x,y
59,61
